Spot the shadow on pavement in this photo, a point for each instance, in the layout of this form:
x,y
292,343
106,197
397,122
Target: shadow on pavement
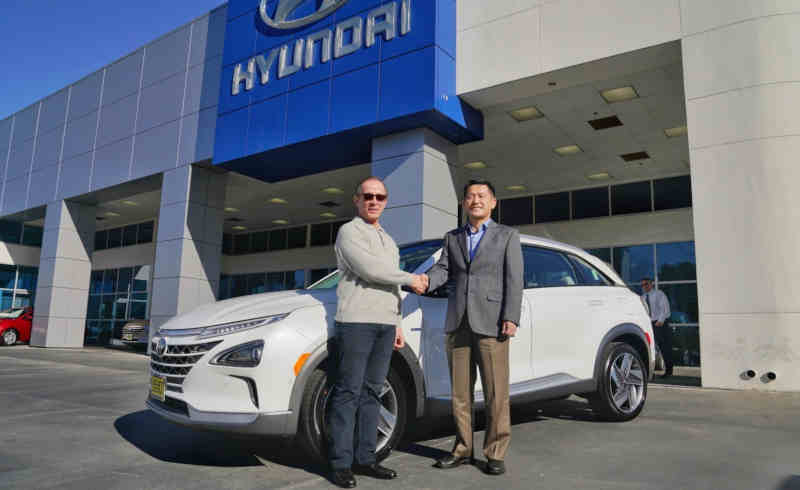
x,y
789,483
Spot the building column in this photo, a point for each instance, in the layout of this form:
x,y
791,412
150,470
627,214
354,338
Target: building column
x,y
65,268
742,93
188,242
422,185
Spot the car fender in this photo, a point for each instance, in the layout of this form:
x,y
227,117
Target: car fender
x,y
624,329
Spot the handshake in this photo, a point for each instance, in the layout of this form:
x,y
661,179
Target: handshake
x,y
420,284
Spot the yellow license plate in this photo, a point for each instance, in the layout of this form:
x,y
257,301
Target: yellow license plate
x,y
158,387
127,336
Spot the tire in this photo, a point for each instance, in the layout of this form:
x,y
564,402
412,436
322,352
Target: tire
x,y
9,337
620,396
311,431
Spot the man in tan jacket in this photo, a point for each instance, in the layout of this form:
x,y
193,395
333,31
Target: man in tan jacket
x,y
368,316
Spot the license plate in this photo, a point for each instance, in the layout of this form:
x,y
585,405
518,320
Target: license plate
x,y
158,387
127,336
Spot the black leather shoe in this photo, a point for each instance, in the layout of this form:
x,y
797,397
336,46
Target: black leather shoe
x,y
343,478
451,461
495,467
375,471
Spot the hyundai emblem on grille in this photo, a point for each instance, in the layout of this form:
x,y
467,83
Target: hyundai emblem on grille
x,y
161,346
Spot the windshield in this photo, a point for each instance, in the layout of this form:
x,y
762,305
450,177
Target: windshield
x,y
411,257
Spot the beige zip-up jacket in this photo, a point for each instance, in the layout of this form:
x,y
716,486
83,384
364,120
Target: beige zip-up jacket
x,y
369,261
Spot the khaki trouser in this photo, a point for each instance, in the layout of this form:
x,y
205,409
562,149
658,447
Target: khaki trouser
x,y
465,350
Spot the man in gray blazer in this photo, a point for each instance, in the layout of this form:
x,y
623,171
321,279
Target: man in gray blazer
x,y
484,261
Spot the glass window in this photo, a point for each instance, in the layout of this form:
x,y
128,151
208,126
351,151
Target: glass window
x,y
546,268
6,299
297,237
32,235
590,203
320,234
517,211
241,244
141,278
224,287
115,237
277,239
552,207
630,198
295,279
255,283
675,192
317,274
91,333
634,263
129,235
110,281
96,283
676,262
686,346
146,231
260,241
93,310
603,254
107,306
101,240
8,274
227,244
22,300
27,278
120,306
335,227
682,302
588,274
10,232
124,278
496,214
238,286
275,281
137,309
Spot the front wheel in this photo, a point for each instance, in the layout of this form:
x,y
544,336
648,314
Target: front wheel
x,y
622,387
9,337
312,430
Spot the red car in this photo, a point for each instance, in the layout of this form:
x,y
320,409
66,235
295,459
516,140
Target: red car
x,y
15,325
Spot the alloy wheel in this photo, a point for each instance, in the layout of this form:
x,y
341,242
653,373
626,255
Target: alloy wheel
x,y
627,382
9,337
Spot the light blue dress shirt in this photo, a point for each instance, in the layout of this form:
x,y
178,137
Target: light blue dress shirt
x,y
474,239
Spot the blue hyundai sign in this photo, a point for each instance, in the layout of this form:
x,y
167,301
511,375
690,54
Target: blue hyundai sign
x,y
307,84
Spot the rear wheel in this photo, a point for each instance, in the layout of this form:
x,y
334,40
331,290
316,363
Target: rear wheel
x,y
312,431
9,337
622,387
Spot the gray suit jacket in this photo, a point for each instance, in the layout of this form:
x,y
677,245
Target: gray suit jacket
x,y
489,289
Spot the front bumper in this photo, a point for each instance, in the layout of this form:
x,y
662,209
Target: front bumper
x,y
253,423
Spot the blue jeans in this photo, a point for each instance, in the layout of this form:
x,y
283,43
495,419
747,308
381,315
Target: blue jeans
x,y
358,363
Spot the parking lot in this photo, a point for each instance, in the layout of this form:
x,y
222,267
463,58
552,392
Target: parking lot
x,y
76,419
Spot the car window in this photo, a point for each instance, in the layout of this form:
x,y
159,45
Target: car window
x,y
546,268
588,274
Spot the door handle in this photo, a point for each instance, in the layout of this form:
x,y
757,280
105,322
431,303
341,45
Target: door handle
x,y
596,302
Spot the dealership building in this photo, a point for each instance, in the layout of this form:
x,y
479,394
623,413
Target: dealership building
x,y
220,159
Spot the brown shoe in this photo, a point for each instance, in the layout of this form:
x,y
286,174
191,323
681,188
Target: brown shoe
x,y
452,461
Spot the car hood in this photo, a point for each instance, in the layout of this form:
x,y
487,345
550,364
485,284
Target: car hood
x,y
251,306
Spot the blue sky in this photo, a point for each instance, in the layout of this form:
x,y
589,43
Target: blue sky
x,y
48,44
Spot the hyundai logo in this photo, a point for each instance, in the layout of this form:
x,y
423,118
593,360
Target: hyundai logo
x,y
161,346
287,7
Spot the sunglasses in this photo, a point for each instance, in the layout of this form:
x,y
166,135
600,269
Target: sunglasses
x,y
368,196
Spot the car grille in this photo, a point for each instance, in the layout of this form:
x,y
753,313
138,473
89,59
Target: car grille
x,y
176,363
172,405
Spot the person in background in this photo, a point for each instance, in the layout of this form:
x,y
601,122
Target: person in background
x,y
658,304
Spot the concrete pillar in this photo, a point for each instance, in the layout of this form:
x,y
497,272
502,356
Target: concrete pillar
x,y
65,268
188,242
742,83
423,200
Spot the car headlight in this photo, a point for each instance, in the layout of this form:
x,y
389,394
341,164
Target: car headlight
x,y
229,328
245,355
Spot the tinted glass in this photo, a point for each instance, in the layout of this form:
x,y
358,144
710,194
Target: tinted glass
x,y
320,234
588,274
115,237
93,310
255,283
109,280
634,263
297,237
129,235
546,268
227,244
124,279
335,231
145,234
96,283
686,346
8,274
137,310
295,279
590,203
603,254
275,281
101,240
32,235
676,262
224,287
552,207
277,240
317,274
10,231
26,278
238,286
107,306
682,302
517,211
675,192
241,244
6,299
496,214
141,278
260,241
630,198
120,306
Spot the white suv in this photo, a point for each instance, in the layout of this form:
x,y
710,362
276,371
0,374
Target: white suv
x,y
256,364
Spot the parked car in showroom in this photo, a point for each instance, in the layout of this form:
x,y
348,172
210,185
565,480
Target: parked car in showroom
x,y
15,325
256,364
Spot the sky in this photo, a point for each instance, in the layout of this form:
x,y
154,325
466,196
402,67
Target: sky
x,y
49,44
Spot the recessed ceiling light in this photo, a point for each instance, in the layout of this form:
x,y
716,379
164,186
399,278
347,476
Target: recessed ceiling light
x,y
333,190
605,123
475,165
568,150
599,176
280,222
516,188
525,114
239,227
328,215
231,210
130,203
619,94
111,214
278,200
632,157
676,131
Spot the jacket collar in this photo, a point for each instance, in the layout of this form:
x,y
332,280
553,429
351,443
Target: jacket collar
x,y
491,226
